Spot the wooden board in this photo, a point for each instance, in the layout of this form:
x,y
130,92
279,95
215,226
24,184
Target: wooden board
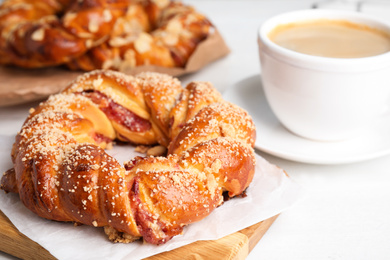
x,y
232,247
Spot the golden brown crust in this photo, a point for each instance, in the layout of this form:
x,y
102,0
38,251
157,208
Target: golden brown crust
x,y
34,36
99,34
61,171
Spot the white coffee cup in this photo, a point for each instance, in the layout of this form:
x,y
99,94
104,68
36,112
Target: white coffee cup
x,y
322,98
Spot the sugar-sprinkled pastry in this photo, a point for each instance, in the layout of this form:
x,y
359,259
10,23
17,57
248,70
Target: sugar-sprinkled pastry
x,y
62,172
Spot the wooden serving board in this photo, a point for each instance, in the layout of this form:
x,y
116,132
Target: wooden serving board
x,y
232,247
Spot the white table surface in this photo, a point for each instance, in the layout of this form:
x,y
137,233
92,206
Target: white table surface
x,y
346,213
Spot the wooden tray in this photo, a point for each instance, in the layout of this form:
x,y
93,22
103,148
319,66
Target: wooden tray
x,y
235,246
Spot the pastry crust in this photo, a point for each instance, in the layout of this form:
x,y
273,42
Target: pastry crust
x,y
62,172
99,34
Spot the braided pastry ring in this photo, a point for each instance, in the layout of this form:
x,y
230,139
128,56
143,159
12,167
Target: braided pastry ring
x,y
62,172
99,34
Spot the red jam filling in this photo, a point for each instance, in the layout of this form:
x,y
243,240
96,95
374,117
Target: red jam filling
x,y
118,113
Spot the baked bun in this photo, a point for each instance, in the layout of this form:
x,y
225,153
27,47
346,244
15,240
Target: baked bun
x,y
62,172
99,34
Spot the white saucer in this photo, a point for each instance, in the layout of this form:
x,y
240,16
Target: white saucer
x,y
276,140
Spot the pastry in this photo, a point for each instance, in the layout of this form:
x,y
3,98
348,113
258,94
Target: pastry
x,y
62,172
99,34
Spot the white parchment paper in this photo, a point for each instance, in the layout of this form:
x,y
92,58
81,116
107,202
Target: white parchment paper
x,y
269,194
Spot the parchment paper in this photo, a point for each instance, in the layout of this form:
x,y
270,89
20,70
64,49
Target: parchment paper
x,y
19,86
270,193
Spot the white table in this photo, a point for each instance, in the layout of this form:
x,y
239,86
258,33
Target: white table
x,y
346,213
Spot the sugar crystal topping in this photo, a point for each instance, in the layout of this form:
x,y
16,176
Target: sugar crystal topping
x,y
185,186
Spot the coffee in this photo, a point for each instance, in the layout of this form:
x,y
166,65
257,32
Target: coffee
x,y
331,38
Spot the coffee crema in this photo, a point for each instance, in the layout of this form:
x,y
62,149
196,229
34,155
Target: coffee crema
x,y
331,38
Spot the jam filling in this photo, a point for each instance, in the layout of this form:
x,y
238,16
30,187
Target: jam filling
x,y
99,138
118,113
